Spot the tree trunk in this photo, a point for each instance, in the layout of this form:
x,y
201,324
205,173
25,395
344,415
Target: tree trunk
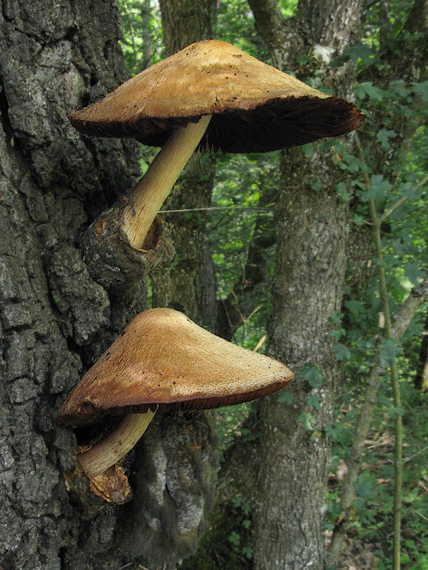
x,y
180,287
55,320
312,230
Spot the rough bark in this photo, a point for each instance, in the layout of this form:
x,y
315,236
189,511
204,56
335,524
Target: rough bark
x,y
180,287
54,319
310,268
185,22
312,230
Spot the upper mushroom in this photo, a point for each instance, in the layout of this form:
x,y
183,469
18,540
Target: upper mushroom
x,y
214,95
254,106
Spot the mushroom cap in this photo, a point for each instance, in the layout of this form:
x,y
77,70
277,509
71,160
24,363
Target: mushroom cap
x,y
163,359
254,106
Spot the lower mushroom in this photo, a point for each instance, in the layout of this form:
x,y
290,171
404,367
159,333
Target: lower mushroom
x,y
163,360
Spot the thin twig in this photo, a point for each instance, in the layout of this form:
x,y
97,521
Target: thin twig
x,y
418,513
401,201
415,454
209,208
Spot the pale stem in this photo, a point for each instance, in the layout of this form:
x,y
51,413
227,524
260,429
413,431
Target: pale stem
x,y
115,446
151,192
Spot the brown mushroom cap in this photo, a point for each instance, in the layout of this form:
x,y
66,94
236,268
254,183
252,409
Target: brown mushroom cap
x,y
255,107
163,359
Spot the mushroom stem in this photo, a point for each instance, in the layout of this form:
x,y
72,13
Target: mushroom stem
x,y
152,190
115,446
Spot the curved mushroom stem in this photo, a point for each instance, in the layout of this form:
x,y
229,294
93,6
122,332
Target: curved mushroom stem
x,y
115,446
152,190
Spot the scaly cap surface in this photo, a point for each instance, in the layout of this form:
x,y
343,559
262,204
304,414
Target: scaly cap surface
x,y
255,107
164,359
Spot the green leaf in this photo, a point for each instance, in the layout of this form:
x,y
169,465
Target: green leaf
x,y
234,538
361,52
388,352
350,162
394,412
303,59
399,87
285,398
365,484
316,185
315,401
339,60
237,501
383,137
413,272
246,509
308,149
358,220
312,374
422,90
342,190
307,421
378,188
368,89
356,307
342,353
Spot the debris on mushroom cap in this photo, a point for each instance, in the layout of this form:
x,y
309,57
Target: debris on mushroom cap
x,y
163,359
255,107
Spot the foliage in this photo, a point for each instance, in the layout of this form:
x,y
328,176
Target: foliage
x,y
397,187
237,205
141,19
372,516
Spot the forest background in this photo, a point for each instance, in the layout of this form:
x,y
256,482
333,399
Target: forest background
x,y
316,255
241,217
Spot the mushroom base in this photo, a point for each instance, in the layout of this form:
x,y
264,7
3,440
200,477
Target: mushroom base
x,y
92,495
110,258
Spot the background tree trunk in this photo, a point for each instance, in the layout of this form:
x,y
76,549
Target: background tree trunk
x,y
312,230
181,287
288,464
55,321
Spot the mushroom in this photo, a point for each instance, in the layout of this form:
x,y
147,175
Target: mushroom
x,y
210,94
163,361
